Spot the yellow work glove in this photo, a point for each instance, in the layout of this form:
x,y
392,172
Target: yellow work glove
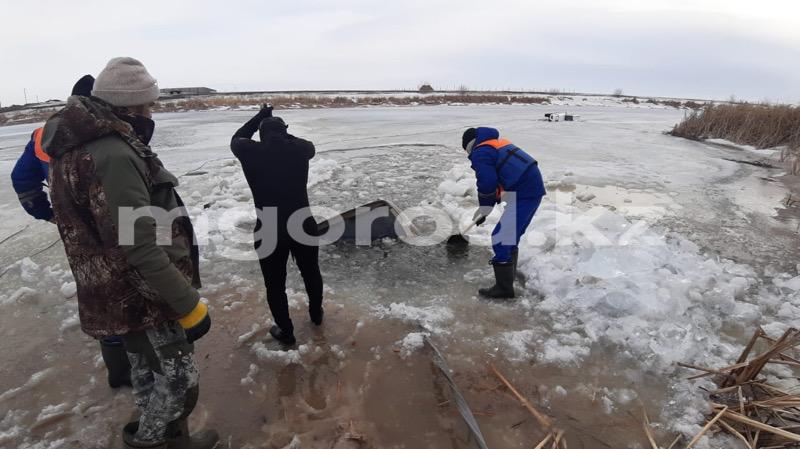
x,y
197,323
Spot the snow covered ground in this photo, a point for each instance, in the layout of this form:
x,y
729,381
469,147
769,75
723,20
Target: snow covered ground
x,y
648,250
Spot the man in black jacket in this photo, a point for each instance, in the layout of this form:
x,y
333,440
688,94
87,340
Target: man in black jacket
x,y
276,169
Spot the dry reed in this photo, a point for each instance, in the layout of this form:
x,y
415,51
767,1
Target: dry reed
x,y
745,405
759,125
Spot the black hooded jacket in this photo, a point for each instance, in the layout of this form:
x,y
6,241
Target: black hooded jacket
x,y
277,167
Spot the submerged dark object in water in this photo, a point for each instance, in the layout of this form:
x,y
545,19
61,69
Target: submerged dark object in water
x,y
364,224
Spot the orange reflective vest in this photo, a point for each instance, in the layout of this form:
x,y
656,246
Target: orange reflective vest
x,y
495,143
37,146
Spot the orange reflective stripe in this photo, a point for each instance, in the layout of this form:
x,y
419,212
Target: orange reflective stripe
x,y
499,193
495,143
37,146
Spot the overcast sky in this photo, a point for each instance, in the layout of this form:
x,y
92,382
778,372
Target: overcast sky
x,y
684,48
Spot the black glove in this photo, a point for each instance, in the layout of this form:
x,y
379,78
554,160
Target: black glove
x,y
199,331
197,323
266,110
36,204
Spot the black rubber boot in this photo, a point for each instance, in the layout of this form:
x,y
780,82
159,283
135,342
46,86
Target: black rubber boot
x,y
317,314
504,282
287,338
129,440
180,438
514,260
117,364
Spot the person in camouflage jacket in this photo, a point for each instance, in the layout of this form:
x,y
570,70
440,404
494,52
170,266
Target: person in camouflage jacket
x,y
129,281
100,162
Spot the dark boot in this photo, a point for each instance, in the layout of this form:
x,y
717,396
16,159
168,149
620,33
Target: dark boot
x,y
117,364
504,282
514,260
287,338
129,440
180,438
317,313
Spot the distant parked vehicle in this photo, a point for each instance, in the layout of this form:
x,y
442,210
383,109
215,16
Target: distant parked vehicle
x,y
561,117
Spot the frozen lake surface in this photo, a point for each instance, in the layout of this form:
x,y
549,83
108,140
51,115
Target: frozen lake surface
x,y
649,250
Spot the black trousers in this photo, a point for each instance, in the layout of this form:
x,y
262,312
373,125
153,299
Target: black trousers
x,y
273,268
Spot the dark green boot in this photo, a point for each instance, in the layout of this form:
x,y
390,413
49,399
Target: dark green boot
x,y
180,438
130,442
504,282
514,260
117,364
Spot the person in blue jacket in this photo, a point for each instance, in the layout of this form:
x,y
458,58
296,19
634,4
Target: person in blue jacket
x,y
29,178
29,175
504,172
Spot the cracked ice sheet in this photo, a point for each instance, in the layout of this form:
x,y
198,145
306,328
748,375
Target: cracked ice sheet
x,y
592,297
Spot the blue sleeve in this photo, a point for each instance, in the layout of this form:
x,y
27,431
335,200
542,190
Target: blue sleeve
x,y
27,177
28,173
484,161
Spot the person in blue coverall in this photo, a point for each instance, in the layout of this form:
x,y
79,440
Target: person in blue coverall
x,y
29,177
503,171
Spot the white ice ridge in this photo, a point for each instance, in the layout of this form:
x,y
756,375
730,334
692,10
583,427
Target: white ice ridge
x,y
30,384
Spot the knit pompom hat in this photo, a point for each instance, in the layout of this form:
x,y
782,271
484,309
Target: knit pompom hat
x,y
125,82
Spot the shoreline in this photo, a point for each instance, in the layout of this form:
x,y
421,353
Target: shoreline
x,y
356,99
